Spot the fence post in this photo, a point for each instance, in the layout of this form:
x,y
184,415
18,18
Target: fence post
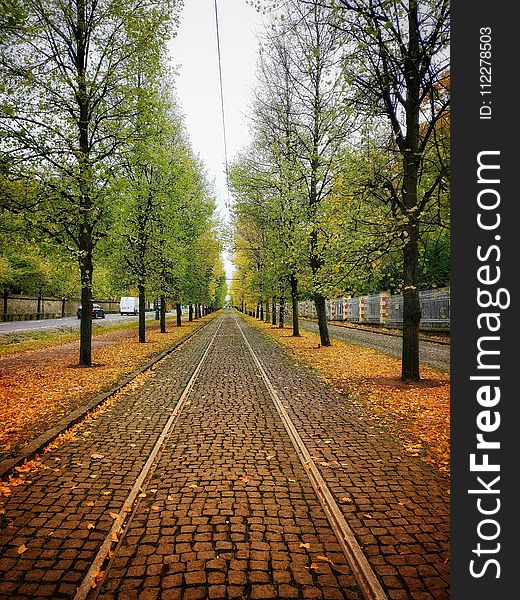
x,y
6,296
383,307
362,315
39,308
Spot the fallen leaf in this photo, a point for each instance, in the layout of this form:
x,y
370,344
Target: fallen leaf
x,y
114,515
155,507
96,455
325,559
99,576
21,549
91,526
307,545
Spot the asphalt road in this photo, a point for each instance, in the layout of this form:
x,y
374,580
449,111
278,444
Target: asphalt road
x,y
437,355
65,322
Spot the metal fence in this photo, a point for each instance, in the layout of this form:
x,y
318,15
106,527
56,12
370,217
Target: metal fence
x,y
352,305
384,309
435,309
23,308
372,309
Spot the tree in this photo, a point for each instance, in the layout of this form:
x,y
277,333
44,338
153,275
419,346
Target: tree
x,y
399,55
66,102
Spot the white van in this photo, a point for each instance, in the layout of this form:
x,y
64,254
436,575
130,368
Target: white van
x,y
129,305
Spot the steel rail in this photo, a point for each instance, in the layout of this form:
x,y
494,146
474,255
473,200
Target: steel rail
x,y
90,581
361,569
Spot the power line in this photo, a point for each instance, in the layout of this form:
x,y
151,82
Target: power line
x,y
222,104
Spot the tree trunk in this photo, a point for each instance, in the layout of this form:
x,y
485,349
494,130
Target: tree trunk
x,y
261,310
39,307
411,307
6,296
142,313
294,302
282,312
85,242
178,310
273,321
163,314
85,327
190,312
411,162
319,303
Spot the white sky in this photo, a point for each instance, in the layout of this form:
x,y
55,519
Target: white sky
x,y
194,52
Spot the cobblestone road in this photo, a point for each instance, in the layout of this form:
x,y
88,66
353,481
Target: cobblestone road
x,y
228,510
437,355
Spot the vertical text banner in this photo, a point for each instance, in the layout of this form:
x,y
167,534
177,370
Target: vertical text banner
x,y
486,265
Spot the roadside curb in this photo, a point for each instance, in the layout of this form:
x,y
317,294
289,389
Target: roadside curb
x,y
422,338
72,418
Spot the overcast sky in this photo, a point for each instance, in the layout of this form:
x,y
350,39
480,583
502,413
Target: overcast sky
x,y
194,51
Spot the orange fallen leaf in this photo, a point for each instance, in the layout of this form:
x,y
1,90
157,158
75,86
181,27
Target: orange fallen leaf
x,y
96,455
91,526
307,545
99,576
114,515
325,559
21,549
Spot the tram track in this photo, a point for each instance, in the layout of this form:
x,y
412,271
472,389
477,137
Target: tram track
x,y
363,572
130,505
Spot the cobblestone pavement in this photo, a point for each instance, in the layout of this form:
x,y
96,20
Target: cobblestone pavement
x,y
437,355
228,510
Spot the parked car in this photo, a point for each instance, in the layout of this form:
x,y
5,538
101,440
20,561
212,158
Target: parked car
x,y
97,312
129,305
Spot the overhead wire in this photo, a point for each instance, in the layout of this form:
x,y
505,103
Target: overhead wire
x,y
227,201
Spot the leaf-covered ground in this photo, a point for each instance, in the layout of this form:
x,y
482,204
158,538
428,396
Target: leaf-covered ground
x,y
39,387
417,414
